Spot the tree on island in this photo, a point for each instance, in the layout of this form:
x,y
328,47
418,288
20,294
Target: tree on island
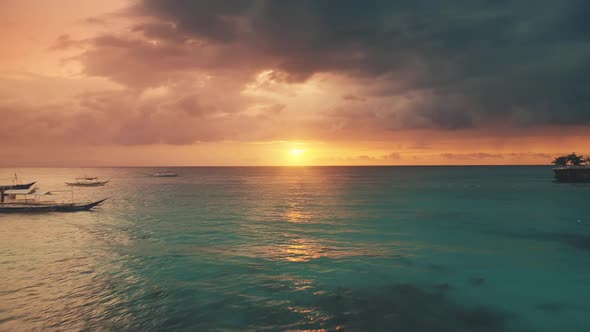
x,y
560,161
571,159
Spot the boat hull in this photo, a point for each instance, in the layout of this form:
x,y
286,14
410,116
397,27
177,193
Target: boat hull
x,y
43,208
7,208
17,186
94,184
78,207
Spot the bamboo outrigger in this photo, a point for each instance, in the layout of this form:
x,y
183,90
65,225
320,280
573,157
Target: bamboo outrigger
x,y
87,182
9,203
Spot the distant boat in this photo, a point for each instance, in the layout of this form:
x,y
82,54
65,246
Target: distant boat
x,y
87,182
35,204
165,174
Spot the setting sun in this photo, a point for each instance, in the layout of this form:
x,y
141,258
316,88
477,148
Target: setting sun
x,y
296,152
297,156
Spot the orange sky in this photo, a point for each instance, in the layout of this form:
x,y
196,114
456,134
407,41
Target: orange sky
x,y
103,83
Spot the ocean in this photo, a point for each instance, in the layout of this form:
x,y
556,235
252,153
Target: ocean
x,y
301,248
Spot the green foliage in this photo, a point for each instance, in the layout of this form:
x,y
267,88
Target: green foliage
x,y
560,161
571,159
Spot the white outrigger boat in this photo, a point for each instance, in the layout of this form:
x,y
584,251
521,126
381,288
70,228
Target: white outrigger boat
x,y
165,174
87,182
28,200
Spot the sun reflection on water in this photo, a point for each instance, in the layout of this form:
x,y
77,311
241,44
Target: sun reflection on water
x,y
298,209
301,251
295,216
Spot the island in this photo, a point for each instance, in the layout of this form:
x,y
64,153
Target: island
x,y
572,168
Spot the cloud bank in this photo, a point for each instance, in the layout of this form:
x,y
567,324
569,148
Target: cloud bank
x,y
179,72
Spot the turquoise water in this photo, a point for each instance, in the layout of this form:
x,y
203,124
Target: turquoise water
x,y
349,248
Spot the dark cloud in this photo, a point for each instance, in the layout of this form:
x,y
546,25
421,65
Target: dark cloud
x,y
217,20
480,61
160,31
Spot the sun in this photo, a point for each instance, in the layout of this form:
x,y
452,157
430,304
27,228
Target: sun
x,y
296,152
297,156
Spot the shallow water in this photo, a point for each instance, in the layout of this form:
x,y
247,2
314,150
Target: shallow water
x,y
352,248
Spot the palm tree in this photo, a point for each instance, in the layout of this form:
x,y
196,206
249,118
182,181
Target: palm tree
x,y
571,159
560,161
574,159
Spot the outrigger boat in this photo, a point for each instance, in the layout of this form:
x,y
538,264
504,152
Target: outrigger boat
x,y
28,205
165,174
16,186
87,182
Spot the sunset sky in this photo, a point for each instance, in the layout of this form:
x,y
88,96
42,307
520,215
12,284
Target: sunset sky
x,y
327,82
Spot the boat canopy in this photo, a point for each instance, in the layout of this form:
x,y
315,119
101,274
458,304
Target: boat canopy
x,y
29,191
16,186
42,193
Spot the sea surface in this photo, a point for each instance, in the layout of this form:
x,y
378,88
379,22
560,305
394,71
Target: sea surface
x,y
301,248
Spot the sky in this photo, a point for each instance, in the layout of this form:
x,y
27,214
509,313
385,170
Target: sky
x,y
322,82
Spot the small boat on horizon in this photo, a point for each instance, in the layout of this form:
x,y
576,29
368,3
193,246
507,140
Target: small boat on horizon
x,y
165,174
87,182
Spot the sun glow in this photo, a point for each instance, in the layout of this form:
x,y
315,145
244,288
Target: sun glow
x,y
297,156
296,152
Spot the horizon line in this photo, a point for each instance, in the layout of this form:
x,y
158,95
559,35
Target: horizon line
x,y
252,166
